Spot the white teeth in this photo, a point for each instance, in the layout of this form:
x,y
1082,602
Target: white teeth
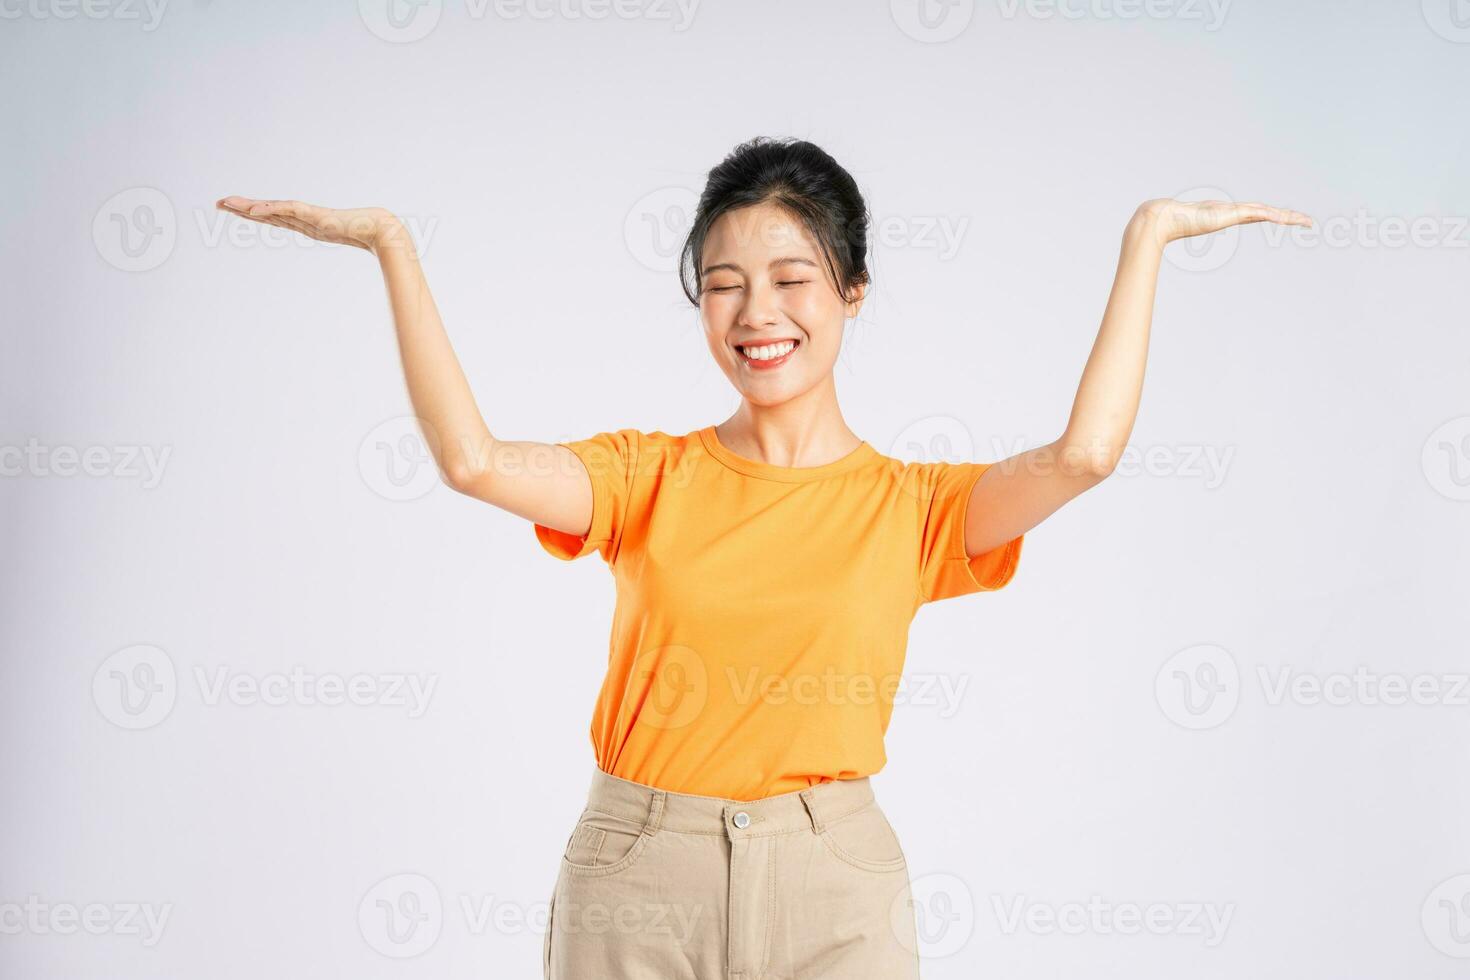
x,y
769,351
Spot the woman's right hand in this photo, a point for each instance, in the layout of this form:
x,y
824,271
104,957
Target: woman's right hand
x,y
366,228
542,482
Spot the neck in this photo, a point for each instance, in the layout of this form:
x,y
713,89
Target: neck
x,y
807,430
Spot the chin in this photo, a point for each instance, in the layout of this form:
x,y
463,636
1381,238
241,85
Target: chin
x,y
769,398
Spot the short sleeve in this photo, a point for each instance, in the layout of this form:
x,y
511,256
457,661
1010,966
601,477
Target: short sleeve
x,y
611,460
944,569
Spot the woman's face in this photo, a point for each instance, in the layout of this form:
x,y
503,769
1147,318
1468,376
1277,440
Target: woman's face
x,y
765,283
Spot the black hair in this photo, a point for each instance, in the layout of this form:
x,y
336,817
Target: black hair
x,y
800,177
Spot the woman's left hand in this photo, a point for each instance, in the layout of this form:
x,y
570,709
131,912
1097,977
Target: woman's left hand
x,y
1168,220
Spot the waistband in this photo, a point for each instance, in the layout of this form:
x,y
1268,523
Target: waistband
x,y
683,813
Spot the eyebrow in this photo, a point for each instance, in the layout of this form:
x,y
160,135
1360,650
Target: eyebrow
x,y
784,260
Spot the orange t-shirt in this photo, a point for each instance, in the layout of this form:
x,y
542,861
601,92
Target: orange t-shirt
x,y
762,611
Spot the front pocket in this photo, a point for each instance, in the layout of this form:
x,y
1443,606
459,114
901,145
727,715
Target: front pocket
x,y
865,840
602,844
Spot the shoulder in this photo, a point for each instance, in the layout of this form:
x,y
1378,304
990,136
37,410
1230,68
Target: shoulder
x,y
642,451
928,481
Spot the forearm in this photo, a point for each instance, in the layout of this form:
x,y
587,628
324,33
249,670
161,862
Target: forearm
x,y
442,400
1014,495
1108,395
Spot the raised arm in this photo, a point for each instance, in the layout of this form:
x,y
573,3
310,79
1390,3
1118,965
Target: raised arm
x,y
1016,494
541,482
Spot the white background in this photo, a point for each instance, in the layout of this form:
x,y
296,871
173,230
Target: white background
x,y
1303,513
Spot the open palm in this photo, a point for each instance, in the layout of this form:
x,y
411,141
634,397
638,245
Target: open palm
x,y
1172,220
362,227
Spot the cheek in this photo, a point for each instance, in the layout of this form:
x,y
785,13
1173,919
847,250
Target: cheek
x,y
716,321
820,318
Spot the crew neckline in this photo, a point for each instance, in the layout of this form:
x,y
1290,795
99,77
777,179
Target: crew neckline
x,y
785,474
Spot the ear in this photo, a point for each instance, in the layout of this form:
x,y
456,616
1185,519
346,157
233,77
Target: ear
x,y
855,303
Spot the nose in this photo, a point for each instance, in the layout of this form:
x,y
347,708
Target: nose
x,y
759,308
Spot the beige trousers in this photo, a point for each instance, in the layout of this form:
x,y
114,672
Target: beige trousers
x,y
667,886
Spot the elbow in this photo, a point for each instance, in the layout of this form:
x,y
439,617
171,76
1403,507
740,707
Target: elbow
x,y
1092,461
465,466
460,476
1100,465
1099,468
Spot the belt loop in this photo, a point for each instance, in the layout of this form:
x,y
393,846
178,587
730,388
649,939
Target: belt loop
x,y
811,809
655,813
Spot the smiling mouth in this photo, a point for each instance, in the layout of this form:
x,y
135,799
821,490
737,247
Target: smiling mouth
x,y
768,353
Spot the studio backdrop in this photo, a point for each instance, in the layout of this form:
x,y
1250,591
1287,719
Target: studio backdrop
x,y
277,702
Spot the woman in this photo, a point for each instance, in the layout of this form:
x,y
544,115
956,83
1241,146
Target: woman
x,y
767,569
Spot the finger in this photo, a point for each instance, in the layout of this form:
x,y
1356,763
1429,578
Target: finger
x,y
1250,211
325,231
262,218
295,224
1256,211
257,216
235,204
245,207
293,209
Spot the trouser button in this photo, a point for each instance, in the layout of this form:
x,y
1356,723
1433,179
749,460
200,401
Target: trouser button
x,y
742,820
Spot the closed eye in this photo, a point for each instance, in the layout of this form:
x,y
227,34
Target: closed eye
x,y
783,282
